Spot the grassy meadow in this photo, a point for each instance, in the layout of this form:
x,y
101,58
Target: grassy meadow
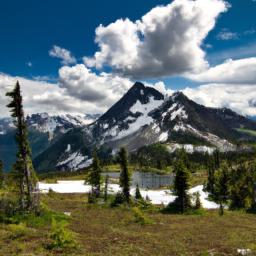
x,y
102,230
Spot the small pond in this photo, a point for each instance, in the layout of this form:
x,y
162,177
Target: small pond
x,y
145,179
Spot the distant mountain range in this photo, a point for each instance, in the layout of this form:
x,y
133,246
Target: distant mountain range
x,y
143,116
44,130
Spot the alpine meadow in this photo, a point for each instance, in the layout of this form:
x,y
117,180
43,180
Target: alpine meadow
x,y
128,128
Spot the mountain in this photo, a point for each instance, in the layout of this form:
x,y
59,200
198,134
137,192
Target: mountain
x,y
252,118
144,116
44,131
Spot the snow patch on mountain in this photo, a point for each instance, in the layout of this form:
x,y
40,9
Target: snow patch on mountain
x,y
163,137
68,148
189,148
75,161
180,112
179,127
134,124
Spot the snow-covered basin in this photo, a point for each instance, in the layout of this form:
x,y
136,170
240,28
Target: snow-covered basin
x,y
163,196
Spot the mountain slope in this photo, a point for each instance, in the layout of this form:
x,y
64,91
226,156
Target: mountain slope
x,y
128,115
143,116
43,131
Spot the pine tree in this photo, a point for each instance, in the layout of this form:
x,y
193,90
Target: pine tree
x,y
253,186
211,175
124,175
221,189
23,166
216,155
138,195
95,175
242,186
181,186
183,156
198,204
106,188
1,174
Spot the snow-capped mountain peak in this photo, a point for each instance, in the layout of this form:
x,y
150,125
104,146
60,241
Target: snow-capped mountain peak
x,y
129,114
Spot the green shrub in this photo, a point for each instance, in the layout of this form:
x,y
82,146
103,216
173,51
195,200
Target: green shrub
x,y
60,237
91,198
17,230
51,193
119,199
145,205
139,216
8,204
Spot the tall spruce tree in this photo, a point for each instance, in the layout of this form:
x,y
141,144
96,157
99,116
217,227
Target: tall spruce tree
x,y
216,155
221,188
1,174
253,185
106,188
23,167
211,175
124,175
181,186
95,175
138,195
242,186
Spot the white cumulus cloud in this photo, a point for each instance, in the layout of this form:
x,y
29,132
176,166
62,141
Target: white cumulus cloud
x,y
165,41
103,89
63,54
226,35
241,71
240,98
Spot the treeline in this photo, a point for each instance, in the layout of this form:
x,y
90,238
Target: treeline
x,y
158,156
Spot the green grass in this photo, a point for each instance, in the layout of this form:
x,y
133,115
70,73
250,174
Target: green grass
x,y
101,230
247,131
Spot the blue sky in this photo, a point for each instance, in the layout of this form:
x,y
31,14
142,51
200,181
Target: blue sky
x,y
30,29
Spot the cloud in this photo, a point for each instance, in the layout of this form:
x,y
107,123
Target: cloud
x,y
29,64
244,51
226,35
251,31
103,89
161,87
240,98
78,91
31,90
242,71
63,54
165,41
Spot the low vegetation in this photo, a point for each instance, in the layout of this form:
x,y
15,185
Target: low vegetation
x,y
120,224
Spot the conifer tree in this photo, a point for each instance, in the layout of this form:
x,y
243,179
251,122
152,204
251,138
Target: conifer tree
x,y
211,175
216,155
1,174
253,185
23,166
183,156
95,175
124,175
181,186
198,204
138,195
106,188
242,186
221,189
